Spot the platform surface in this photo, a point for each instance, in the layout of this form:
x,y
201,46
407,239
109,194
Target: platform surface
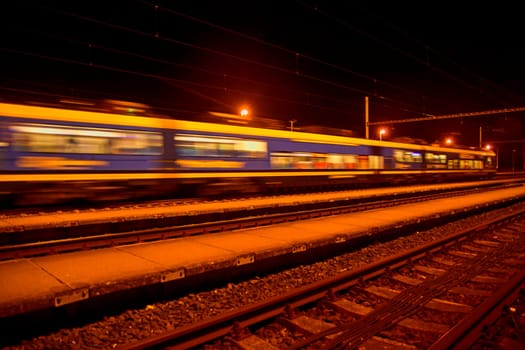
x,y
49,281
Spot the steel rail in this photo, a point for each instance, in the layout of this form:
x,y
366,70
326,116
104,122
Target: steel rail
x,y
221,326
17,251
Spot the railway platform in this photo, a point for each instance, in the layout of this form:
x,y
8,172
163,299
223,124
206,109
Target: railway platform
x,y
78,278
121,219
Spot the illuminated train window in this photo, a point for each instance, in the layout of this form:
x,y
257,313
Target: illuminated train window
x,y
407,156
470,164
57,139
435,158
305,160
210,146
465,164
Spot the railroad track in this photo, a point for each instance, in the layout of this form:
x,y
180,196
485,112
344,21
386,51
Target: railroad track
x,y
8,210
432,297
507,331
16,245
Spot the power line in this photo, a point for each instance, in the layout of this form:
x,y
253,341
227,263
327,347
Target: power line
x,y
275,46
198,47
92,45
182,84
159,37
29,92
176,82
113,69
450,116
187,85
381,42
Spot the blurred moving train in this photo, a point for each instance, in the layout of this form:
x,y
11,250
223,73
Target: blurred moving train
x,y
50,154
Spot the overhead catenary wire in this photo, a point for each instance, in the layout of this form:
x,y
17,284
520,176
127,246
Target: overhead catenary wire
x,y
180,82
307,76
297,55
157,36
379,41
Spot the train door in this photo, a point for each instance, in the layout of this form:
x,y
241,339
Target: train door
x,y
376,159
4,144
490,162
169,155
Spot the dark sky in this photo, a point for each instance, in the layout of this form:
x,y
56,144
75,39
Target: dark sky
x,y
310,61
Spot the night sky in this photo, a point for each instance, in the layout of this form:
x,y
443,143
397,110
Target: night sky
x,y
309,61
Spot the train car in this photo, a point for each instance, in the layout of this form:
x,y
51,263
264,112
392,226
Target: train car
x,y
50,154
56,154
239,157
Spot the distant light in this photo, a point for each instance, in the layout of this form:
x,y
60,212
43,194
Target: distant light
x,y
129,110
70,131
448,141
381,133
74,102
488,147
244,112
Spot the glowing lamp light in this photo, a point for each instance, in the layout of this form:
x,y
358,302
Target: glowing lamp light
x,y
448,141
381,133
244,112
488,147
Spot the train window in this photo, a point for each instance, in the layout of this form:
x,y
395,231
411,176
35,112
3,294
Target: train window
x,y
436,158
471,164
376,162
281,160
403,156
3,136
351,161
251,148
210,146
305,160
335,161
416,157
3,145
297,160
137,143
478,164
453,163
57,139
465,164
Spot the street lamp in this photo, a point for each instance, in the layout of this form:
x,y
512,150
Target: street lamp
x,y
291,124
381,133
244,112
513,156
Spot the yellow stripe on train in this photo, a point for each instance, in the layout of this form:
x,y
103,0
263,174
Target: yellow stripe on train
x,y
58,163
202,164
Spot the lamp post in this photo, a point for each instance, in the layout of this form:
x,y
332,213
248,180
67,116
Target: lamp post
x,y
381,133
513,156
291,124
480,136
497,158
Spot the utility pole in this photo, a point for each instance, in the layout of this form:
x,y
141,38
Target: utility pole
x,y
513,160
367,131
291,124
480,137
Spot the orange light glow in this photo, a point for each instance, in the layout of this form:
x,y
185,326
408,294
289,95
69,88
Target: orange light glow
x,y
244,112
381,133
